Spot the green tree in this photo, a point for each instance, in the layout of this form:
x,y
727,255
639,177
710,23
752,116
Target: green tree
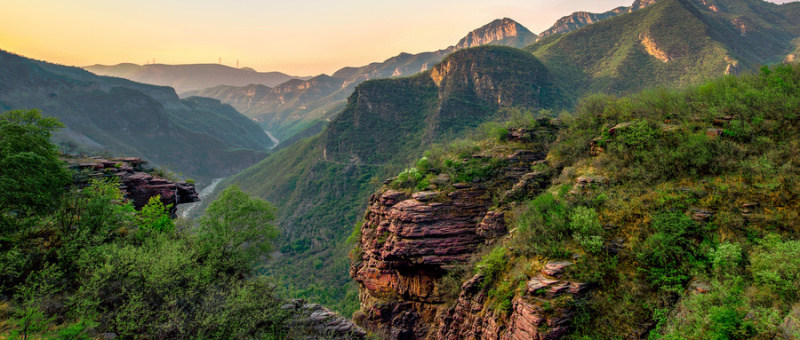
x,y
238,225
32,178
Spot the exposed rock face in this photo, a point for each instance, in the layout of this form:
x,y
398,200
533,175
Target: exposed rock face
x,y
535,315
499,32
137,184
323,322
577,20
410,241
653,48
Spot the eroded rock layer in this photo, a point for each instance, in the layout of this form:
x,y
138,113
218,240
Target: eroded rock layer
x,y
410,241
135,182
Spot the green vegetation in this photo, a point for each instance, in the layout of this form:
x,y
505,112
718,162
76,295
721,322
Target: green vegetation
x,y
76,263
678,206
31,178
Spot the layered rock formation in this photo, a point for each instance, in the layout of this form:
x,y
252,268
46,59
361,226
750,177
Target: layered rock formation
x,y
543,313
410,241
137,184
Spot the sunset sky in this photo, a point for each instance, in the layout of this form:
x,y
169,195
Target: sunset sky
x,y
296,37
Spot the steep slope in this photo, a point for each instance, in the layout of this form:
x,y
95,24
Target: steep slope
x,y
191,77
665,215
318,184
293,108
200,138
668,43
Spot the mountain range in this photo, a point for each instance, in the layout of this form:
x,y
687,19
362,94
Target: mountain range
x,y
292,107
191,77
320,185
198,137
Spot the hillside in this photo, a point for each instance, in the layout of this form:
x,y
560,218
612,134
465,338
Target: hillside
x,y
318,184
669,43
669,214
387,124
200,138
191,77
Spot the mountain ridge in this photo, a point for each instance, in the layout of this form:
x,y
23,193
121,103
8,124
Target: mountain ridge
x,y
201,138
189,77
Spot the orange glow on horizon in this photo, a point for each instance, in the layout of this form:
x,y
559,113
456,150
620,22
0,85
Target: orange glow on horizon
x,y
299,39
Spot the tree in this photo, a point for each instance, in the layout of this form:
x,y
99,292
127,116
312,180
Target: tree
x,y
238,225
32,178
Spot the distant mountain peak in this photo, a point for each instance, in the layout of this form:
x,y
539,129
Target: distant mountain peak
x,y
577,20
498,32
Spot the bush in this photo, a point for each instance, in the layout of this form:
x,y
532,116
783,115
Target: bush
x,y
586,228
493,265
542,227
776,267
666,254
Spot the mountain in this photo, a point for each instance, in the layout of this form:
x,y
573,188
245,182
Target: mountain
x,y
670,43
504,31
198,137
661,215
297,106
380,131
318,184
191,77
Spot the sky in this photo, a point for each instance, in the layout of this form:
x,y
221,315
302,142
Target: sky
x,y
298,37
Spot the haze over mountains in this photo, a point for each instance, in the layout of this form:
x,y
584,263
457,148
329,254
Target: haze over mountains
x,y
185,78
198,137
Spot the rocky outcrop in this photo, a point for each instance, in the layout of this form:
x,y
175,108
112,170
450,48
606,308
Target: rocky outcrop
x,y
577,20
498,32
653,48
319,321
544,312
137,184
410,241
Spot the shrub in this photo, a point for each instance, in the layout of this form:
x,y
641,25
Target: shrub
x,y
776,267
493,265
586,229
542,227
666,253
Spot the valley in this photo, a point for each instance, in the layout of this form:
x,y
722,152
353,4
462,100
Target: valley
x,y
630,174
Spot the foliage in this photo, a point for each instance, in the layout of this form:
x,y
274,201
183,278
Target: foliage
x,y
32,178
92,264
665,254
587,229
543,227
153,218
493,265
238,226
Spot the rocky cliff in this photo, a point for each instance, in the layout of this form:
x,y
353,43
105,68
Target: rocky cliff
x,y
412,240
138,183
